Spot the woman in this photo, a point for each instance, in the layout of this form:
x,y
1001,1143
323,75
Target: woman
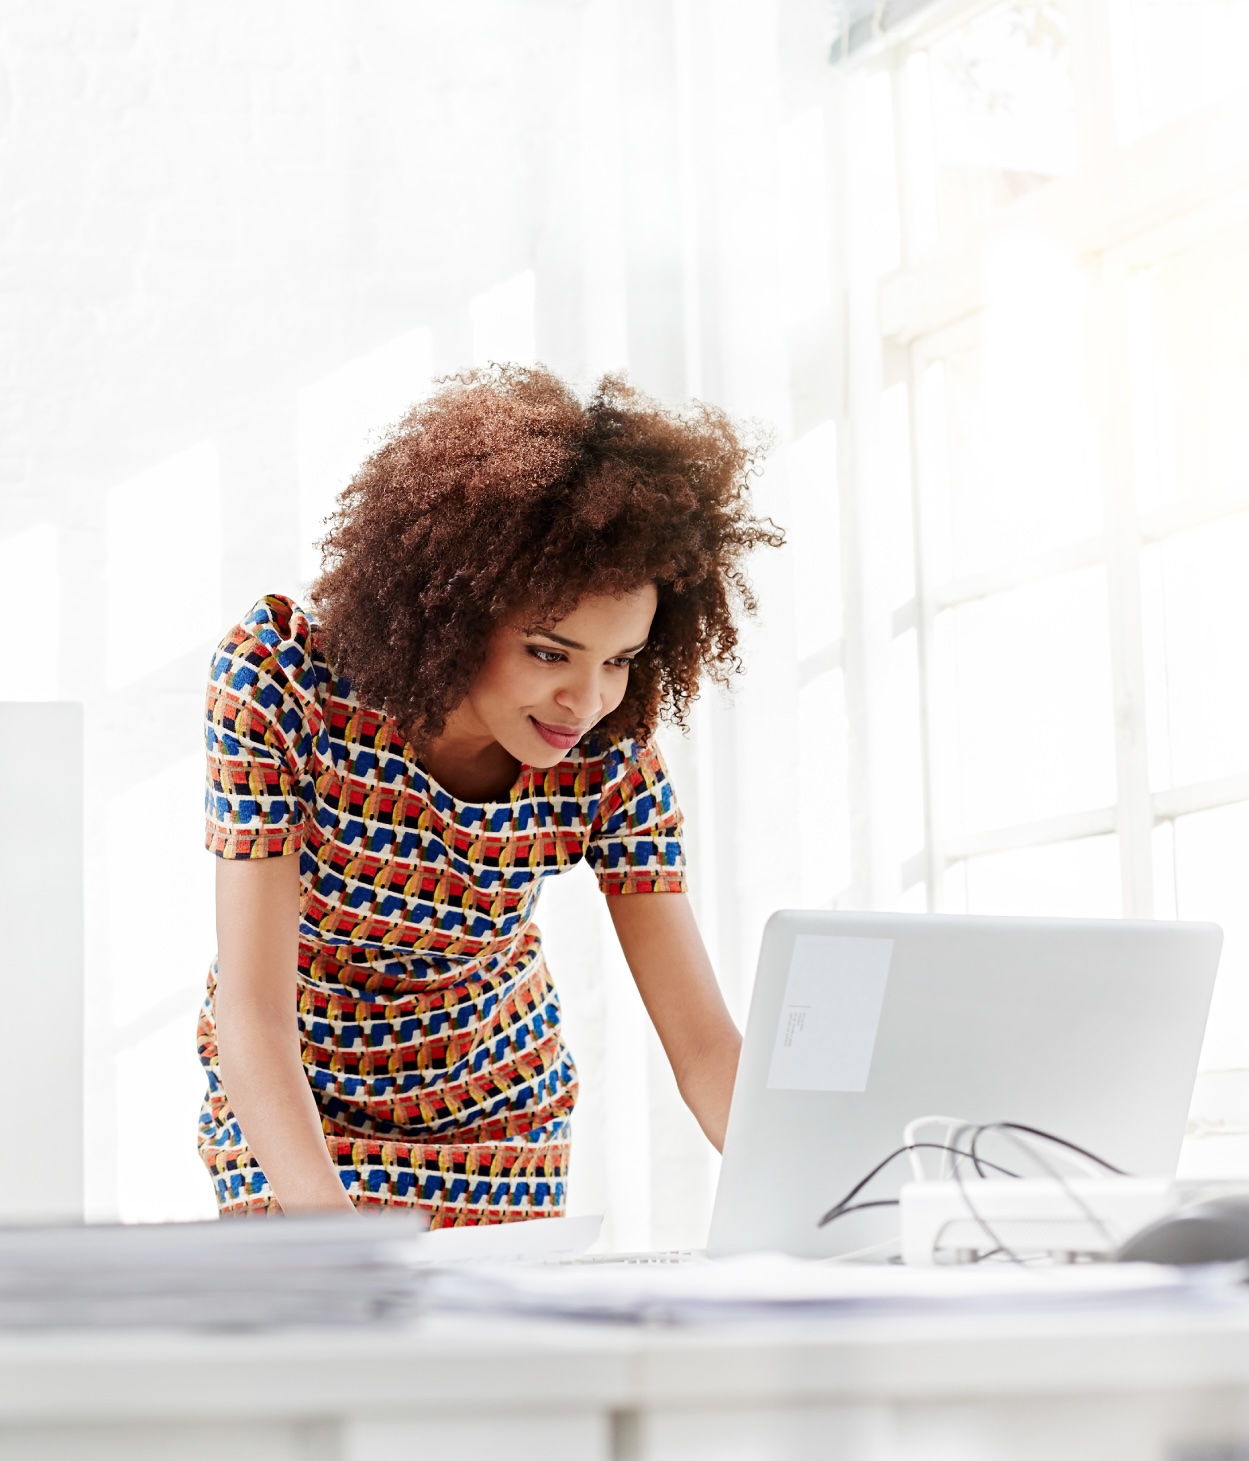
x,y
516,585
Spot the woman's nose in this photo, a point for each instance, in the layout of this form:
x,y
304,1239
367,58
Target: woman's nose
x,y
580,698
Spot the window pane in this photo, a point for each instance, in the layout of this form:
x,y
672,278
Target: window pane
x,y
1024,717
1195,594
815,538
901,796
1065,880
890,554
1165,891
805,226
1005,439
1174,56
1001,108
1211,876
823,781
1190,373
870,207
160,1087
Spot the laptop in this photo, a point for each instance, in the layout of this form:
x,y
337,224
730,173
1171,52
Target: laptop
x,y
862,1022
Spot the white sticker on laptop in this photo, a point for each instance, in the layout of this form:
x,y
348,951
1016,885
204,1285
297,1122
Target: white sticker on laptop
x,y
833,998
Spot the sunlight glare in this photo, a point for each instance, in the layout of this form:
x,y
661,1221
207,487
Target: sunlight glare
x,y
342,417
30,609
162,544
502,322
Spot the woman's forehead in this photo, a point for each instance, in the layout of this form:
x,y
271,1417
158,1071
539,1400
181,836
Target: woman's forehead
x,y
596,615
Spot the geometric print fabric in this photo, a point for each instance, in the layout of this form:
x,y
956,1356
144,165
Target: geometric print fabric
x,y
429,1025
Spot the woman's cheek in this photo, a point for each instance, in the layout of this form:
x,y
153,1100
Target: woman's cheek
x,y
526,689
612,699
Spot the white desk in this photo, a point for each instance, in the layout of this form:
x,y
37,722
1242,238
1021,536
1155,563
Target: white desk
x,y
1108,1388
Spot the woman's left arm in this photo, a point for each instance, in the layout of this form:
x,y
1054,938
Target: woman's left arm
x,y
665,953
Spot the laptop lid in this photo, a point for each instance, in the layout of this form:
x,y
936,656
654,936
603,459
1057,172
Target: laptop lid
x,y
861,1022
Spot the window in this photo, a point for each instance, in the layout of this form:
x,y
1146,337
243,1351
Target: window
x,y
1054,346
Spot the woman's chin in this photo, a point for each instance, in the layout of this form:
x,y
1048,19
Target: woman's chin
x,y
532,750
549,756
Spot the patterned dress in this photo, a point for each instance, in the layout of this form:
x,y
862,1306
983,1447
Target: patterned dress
x,y
429,1026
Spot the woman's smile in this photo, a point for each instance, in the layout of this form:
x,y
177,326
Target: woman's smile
x,y
562,737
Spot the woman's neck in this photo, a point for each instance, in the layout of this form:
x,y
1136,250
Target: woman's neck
x,y
472,767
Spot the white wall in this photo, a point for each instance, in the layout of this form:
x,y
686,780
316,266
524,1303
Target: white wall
x,y
236,239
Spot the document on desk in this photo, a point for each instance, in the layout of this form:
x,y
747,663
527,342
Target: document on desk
x,y
771,1286
325,1269
826,1033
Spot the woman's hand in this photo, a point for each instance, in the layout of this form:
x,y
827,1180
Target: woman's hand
x,y
258,1033
665,953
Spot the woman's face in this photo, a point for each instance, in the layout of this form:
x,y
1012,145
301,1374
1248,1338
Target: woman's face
x,y
541,689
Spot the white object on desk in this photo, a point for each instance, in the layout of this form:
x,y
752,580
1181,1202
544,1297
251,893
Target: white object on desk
x,y
767,1287
1077,1218
41,960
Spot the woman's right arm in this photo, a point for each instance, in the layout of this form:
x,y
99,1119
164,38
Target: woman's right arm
x,y
258,1033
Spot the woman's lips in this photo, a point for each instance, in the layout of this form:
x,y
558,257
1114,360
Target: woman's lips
x,y
557,735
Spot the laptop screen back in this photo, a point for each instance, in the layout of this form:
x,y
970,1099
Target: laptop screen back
x,y
861,1022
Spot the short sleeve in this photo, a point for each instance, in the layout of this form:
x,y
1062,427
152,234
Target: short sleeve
x,y
260,691
635,843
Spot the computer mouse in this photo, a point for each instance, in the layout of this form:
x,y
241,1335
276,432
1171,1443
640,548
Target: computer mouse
x,y
1214,1231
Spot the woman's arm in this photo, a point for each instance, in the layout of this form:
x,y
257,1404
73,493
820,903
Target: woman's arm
x,y
258,1033
665,953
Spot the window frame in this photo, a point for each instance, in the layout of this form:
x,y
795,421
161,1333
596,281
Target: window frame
x,y
1122,211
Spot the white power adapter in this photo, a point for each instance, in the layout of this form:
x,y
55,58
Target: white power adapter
x,y
1072,1219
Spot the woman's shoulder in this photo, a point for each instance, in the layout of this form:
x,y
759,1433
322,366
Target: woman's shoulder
x,y
631,800
603,761
277,639
276,619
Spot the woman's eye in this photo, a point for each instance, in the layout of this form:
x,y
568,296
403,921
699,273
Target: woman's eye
x,y
620,664
545,656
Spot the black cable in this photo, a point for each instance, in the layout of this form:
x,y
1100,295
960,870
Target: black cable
x,y
936,1146
1008,1128
840,1212
998,1245
976,1132
1046,1136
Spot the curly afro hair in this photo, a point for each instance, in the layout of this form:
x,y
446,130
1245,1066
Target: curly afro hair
x,y
504,493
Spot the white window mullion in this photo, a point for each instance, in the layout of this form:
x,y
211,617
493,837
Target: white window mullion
x,y
1096,81
1200,796
1070,827
1068,558
1127,651
932,854
869,200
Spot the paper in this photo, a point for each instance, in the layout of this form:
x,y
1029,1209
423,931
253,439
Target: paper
x,y
827,1028
768,1286
253,1273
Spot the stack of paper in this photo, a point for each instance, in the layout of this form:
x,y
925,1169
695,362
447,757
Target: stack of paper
x,y
770,1286
352,1269
238,1274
